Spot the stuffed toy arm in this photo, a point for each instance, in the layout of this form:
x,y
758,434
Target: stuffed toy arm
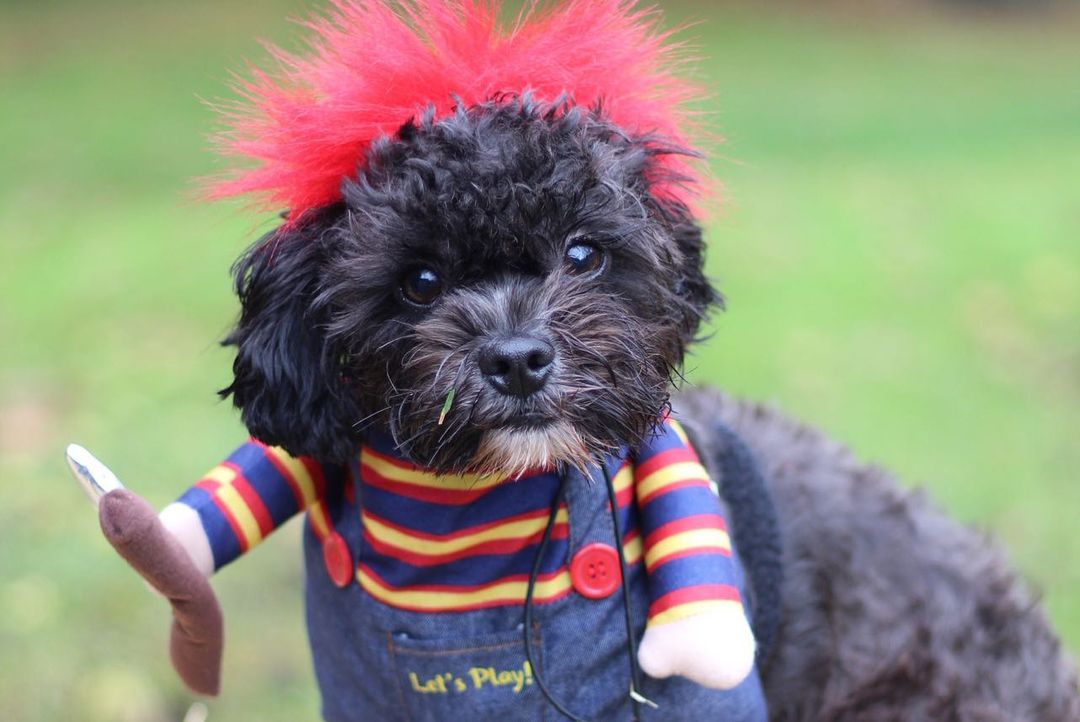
x,y
239,502
226,513
697,627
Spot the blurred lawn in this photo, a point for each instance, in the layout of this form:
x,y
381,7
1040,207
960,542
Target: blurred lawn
x,y
900,251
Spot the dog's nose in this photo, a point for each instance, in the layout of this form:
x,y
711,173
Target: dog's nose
x,y
517,366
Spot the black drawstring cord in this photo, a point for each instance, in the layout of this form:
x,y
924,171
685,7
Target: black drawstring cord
x,y
636,697
529,602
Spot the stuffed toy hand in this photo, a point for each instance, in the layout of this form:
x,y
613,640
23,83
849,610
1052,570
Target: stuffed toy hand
x,y
167,563
714,649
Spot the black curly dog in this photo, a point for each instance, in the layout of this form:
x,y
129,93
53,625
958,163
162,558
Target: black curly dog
x,y
538,220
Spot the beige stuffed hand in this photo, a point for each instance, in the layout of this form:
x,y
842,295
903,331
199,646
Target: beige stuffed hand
x,y
714,649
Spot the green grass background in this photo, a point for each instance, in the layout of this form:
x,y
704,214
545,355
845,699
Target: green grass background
x,y
900,248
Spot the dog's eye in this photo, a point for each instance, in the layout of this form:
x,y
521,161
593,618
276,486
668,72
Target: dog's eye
x,y
421,286
583,258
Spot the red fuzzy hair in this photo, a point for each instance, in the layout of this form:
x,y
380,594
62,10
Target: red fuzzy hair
x,y
372,66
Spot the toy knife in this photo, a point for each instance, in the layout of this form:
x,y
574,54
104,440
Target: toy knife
x,y
94,477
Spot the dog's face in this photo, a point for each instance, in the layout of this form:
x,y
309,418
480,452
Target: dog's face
x,y
499,290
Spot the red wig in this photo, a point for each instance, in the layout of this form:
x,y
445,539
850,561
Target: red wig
x,y
371,66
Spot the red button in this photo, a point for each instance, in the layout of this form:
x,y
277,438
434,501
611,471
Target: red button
x,y
594,571
338,560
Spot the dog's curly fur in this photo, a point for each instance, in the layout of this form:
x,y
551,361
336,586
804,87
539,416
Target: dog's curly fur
x,y
892,612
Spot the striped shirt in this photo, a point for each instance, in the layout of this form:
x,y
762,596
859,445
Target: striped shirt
x,y
437,543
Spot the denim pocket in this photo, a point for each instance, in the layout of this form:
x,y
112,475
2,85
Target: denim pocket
x,y
482,679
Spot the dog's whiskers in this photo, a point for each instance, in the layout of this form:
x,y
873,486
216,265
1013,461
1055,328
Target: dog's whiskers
x,y
370,416
454,428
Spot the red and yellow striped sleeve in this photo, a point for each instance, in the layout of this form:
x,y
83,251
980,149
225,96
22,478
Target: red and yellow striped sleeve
x,y
686,544
257,489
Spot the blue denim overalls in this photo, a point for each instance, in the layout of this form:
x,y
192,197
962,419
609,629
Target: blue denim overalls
x,y
381,664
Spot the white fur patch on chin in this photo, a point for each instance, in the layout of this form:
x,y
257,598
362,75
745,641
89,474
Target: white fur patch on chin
x,y
515,451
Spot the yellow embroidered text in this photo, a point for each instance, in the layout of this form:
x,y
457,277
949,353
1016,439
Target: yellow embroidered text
x,y
475,678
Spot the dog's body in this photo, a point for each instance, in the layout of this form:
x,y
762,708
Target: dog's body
x,y
892,611
509,281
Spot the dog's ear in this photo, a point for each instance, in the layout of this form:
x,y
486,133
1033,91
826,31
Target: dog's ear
x,y
288,380
691,292
692,287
